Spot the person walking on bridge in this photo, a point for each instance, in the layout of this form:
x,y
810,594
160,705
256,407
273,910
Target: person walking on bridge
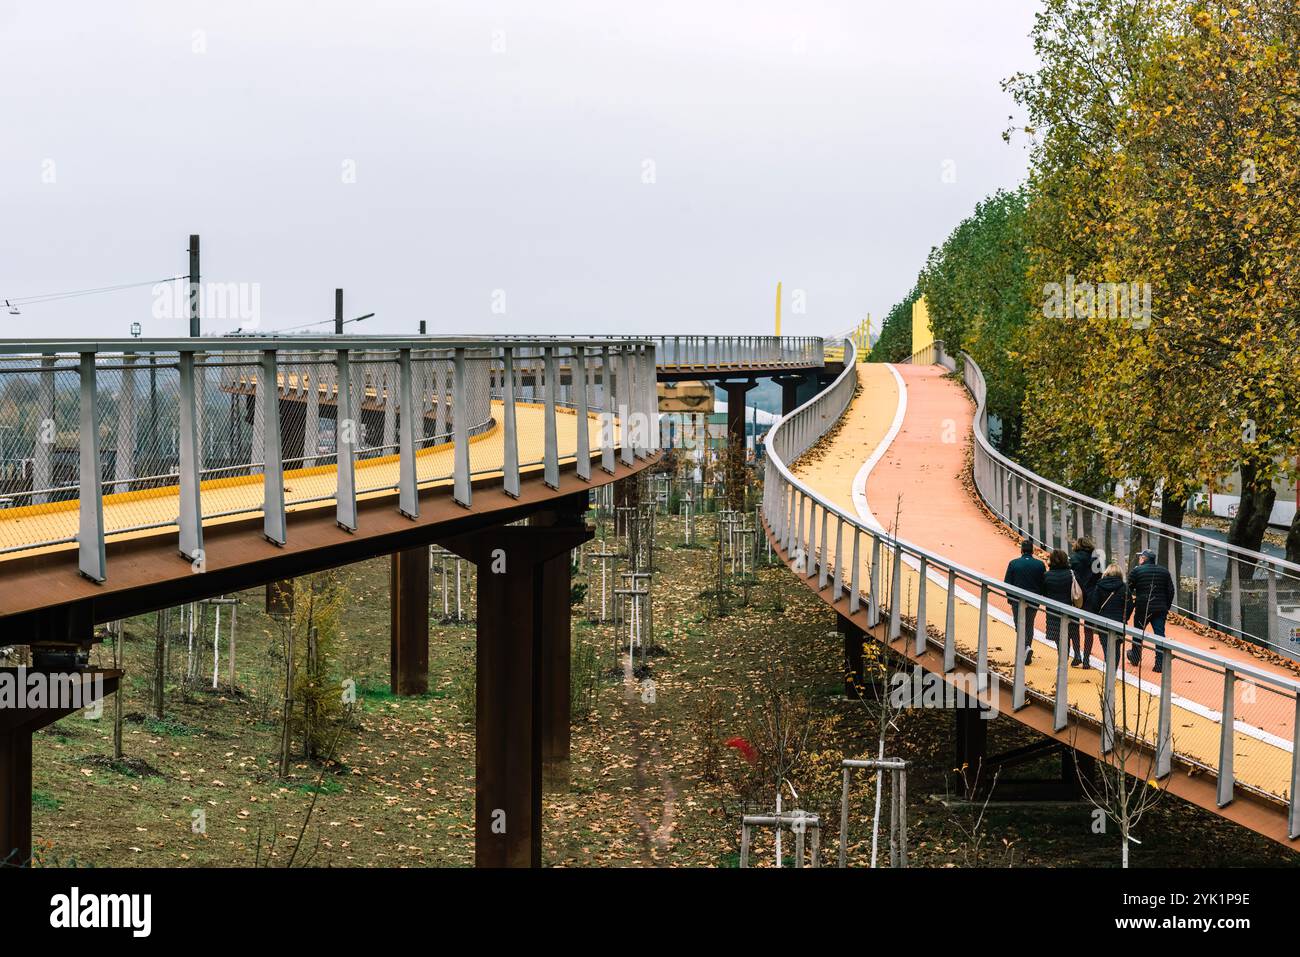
x,y
1058,585
1151,595
1026,572
1087,572
1109,599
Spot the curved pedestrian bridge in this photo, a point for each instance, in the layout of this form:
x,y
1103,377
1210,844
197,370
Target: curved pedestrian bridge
x,y
878,511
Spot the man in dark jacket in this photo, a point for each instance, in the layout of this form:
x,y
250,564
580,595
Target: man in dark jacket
x,y
1026,572
1151,595
1086,564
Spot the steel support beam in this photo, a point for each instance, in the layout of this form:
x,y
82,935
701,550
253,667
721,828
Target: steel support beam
x,y
853,639
514,564
408,607
17,725
556,647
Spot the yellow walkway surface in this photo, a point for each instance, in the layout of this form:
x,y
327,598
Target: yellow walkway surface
x,y
895,470
235,498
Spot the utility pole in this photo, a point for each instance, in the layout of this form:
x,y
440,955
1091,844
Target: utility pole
x,y
194,286
338,312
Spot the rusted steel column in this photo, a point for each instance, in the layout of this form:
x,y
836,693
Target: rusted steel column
x,y
15,797
789,392
512,584
556,646
17,725
408,604
972,738
736,442
853,638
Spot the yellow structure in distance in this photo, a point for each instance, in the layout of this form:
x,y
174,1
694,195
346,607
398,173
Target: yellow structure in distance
x,y
922,334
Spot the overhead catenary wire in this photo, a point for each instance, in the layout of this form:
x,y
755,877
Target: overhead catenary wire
x,y
75,293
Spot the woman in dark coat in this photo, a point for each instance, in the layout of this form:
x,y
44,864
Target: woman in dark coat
x,y
1084,565
1109,599
1056,585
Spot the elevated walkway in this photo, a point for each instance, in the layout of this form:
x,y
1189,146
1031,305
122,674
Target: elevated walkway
x,y
890,484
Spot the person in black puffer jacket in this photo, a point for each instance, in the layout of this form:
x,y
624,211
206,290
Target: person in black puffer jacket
x,y
1086,566
1151,595
1056,585
1109,599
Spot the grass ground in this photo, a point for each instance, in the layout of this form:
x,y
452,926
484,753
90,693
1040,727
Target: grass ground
x,y
651,783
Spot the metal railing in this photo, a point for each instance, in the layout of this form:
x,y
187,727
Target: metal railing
x,y
703,352
1239,592
804,523
182,431
720,354
933,355
183,434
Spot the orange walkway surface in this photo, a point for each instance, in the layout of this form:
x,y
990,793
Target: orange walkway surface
x,y
236,498
906,471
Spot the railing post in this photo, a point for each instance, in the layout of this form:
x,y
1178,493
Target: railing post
x,y
408,499
811,549
1061,694
982,646
607,462
1018,672
922,628
873,598
651,400
1226,737
268,394
551,454
578,366
190,517
837,586
854,573
345,443
1112,650
896,594
461,489
623,387
799,537
90,531
510,462
950,625
1164,733
1293,806
822,570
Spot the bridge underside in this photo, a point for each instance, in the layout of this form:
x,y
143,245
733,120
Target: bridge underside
x,y
42,595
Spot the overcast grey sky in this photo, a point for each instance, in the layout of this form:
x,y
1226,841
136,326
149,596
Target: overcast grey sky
x,y
583,166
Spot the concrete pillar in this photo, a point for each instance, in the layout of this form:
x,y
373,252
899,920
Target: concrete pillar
x,y
408,603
